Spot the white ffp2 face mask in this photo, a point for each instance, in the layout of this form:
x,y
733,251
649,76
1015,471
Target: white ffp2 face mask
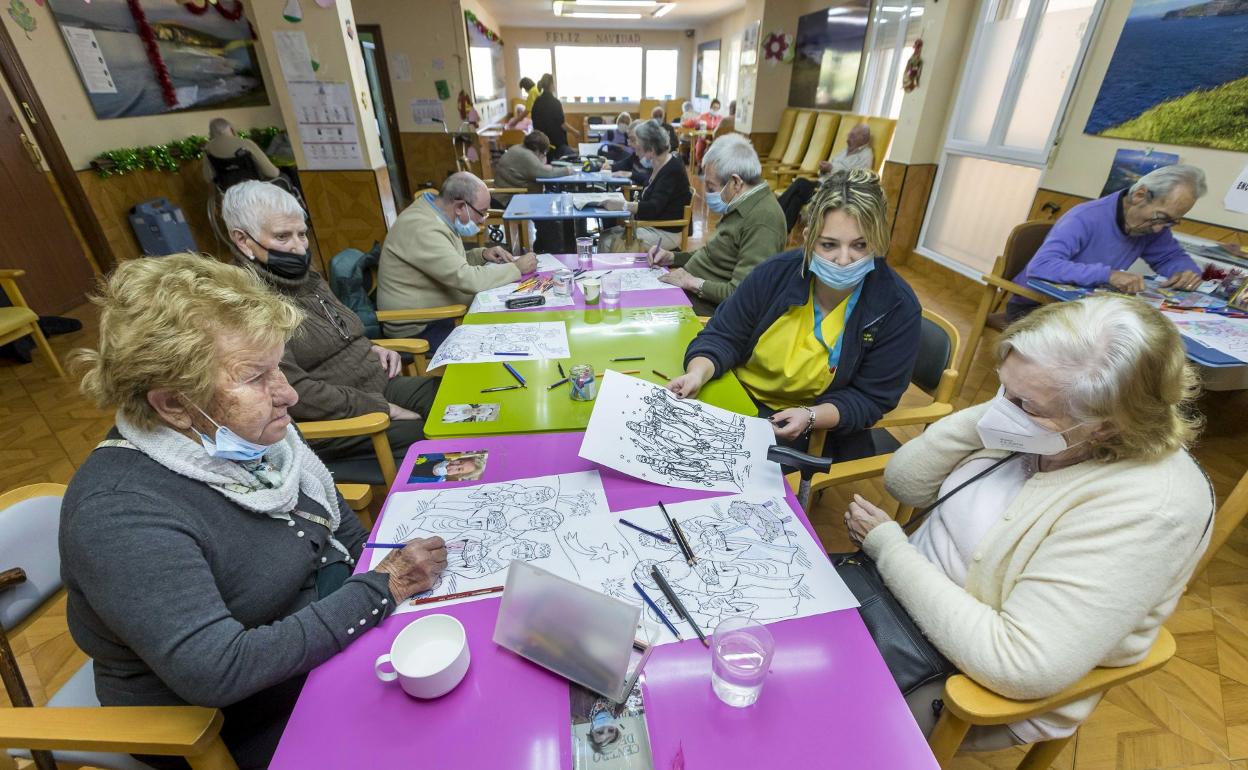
x,y
1005,426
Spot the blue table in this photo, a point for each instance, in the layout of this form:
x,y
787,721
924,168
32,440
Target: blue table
x,y
537,207
1231,374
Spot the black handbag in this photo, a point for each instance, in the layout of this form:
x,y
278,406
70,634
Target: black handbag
x,y
910,657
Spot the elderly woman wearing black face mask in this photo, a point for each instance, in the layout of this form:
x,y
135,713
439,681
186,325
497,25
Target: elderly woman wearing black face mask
x,y
329,362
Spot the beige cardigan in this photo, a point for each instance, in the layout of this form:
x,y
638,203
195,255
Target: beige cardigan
x,y
1079,571
423,264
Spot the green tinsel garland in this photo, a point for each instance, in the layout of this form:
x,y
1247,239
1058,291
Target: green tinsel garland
x,y
166,157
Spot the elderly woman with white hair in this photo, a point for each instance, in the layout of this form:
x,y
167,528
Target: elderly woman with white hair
x,y
1071,514
207,556
1097,242
331,364
751,227
664,196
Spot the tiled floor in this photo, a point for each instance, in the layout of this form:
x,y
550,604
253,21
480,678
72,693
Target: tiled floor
x,y
1193,714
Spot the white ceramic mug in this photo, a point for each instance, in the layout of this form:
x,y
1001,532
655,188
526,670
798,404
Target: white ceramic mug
x,y
429,657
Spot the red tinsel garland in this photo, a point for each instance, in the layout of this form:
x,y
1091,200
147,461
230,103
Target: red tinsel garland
x,y
153,53
199,10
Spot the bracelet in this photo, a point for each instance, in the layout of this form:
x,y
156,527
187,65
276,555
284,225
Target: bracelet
x,y
810,424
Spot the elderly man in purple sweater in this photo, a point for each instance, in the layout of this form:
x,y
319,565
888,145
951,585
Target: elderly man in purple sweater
x,y
1095,242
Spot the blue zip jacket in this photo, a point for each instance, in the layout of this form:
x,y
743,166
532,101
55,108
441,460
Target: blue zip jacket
x,y
878,349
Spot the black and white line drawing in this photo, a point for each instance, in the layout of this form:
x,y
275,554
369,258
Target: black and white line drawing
x,y
474,343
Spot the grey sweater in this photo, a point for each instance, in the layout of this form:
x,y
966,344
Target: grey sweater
x,y
180,596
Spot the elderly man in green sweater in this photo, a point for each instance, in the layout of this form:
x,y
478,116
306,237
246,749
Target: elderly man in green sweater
x,y
751,228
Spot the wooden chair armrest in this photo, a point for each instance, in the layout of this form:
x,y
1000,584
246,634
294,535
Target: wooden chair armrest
x,y
11,273
509,190
363,425
403,345
662,223
358,496
1013,288
914,415
981,706
163,730
851,470
12,577
422,314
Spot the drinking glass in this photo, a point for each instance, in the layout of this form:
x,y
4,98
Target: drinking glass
x,y
611,287
741,653
584,252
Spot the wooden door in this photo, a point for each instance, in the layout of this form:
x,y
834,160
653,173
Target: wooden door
x,y
35,233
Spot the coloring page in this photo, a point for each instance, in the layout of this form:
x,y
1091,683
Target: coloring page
x,y
493,300
641,429
1223,334
547,263
634,278
753,558
476,343
485,527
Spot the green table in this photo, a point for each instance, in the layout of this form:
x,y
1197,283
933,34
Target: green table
x,y
661,334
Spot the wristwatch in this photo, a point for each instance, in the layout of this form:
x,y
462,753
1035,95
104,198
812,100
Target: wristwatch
x,y
701,286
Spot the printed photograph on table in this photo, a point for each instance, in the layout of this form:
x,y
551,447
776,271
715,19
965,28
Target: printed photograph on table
x,y
608,735
470,413
202,58
448,466
1201,99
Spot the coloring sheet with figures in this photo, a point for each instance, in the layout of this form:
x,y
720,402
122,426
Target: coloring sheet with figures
x,y
753,558
1223,334
547,263
634,278
475,343
641,429
556,522
494,300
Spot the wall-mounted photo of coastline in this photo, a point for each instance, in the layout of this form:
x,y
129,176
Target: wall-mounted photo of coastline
x,y
211,60
1179,75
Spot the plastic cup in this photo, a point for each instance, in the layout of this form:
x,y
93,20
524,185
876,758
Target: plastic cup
x,y
591,288
741,653
565,202
611,287
584,252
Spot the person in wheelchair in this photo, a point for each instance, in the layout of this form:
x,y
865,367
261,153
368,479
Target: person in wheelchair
x,y
230,159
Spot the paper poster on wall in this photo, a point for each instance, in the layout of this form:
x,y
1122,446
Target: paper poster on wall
x,y
327,130
400,67
1130,165
90,62
1237,197
157,57
428,111
294,56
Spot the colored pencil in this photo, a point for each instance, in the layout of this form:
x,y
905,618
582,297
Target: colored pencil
x,y
629,358
676,533
384,545
554,385
675,602
561,374
460,595
657,373
515,374
646,598
631,525
510,353
502,387
680,533
630,371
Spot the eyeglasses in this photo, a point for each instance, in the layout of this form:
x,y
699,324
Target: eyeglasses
x,y
480,213
335,320
1163,220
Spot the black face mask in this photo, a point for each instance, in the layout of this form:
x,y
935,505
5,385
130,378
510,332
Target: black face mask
x,y
284,264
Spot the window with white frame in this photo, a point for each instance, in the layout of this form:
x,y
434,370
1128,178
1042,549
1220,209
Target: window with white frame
x,y
661,73
729,90
534,62
586,71
895,26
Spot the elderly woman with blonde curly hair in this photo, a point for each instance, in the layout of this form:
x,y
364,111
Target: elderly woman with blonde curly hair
x,y
1081,520
206,552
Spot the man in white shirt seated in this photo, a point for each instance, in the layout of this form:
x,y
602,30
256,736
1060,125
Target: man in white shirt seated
x,y
857,154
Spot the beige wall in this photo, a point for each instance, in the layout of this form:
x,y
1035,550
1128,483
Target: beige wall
x,y
1081,162
925,111
539,37
727,29
56,80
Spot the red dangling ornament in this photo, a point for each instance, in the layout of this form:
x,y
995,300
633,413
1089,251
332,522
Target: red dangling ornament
x,y
152,47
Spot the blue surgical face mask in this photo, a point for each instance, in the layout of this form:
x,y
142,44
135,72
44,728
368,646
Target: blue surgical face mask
x,y
715,202
646,162
834,276
465,229
228,445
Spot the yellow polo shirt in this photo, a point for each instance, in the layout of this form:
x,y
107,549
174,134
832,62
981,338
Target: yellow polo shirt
x,y
795,360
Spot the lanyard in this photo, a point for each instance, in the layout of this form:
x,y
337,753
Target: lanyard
x,y
834,355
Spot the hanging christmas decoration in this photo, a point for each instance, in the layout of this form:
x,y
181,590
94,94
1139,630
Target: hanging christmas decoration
x,y
485,31
778,47
166,157
465,105
914,68
292,13
20,14
152,48
232,11
350,30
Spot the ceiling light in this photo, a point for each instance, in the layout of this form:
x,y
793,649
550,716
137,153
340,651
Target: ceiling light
x,y
620,3
584,15
663,10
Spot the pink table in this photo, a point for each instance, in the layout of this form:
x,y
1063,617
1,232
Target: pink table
x,y
628,299
828,696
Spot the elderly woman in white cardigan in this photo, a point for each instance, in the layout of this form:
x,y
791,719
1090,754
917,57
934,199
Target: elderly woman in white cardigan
x,y
1071,555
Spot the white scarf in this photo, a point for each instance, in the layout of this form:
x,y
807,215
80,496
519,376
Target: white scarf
x,y
269,486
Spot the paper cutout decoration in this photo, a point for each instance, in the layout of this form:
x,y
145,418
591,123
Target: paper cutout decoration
x,y
778,47
292,13
19,12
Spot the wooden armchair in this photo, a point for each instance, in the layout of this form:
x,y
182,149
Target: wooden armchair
x,y
819,149
799,139
74,725
1021,245
19,320
684,222
373,425
783,134
422,315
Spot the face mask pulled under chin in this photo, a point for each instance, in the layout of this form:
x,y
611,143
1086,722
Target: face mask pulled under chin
x,y
228,445
1005,426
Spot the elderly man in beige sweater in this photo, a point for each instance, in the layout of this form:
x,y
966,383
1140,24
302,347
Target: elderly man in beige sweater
x,y
1072,553
424,263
